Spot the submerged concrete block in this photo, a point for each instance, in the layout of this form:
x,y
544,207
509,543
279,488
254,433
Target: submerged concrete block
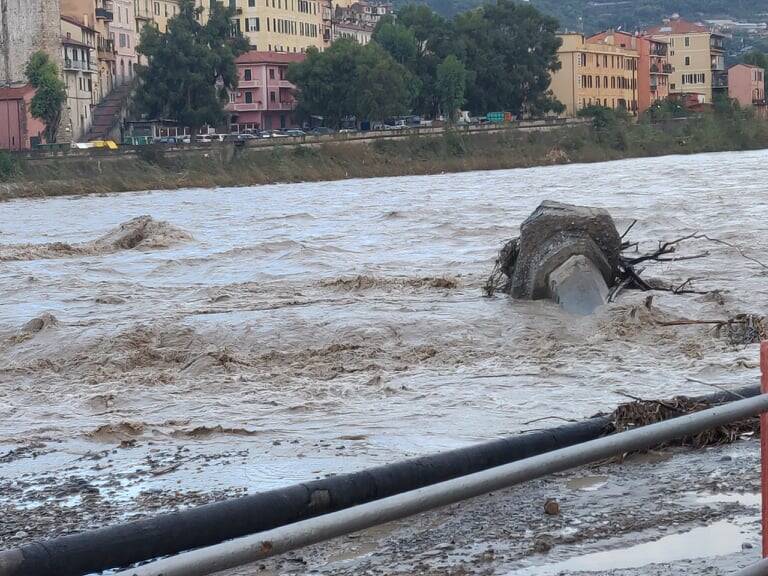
x,y
554,234
578,286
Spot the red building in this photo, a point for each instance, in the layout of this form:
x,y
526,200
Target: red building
x,y
18,129
264,99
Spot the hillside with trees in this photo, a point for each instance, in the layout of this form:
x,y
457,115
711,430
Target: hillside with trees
x,y
594,15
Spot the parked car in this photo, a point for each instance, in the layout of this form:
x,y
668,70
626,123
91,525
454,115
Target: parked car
x,y
398,125
168,140
295,132
321,131
275,134
347,130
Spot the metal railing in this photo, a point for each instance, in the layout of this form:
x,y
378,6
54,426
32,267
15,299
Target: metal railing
x,y
249,549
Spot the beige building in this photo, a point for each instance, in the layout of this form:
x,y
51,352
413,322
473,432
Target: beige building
x,y
281,25
80,72
595,74
697,56
155,12
96,14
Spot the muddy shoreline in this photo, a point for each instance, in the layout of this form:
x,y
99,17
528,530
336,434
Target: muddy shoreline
x,y
159,168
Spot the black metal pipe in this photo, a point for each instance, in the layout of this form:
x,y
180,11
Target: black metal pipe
x,y
132,542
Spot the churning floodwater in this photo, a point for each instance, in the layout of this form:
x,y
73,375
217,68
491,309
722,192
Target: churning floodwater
x,y
307,329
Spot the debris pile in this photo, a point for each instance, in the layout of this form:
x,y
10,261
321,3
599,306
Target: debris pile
x,y
644,412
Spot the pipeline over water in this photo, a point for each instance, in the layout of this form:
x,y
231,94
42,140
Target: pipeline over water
x,y
126,544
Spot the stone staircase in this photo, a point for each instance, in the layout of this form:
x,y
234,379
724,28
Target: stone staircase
x,y
107,114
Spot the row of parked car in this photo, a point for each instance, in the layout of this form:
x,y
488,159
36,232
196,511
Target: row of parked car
x,y
243,136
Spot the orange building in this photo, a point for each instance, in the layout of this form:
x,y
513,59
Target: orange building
x,y
653,67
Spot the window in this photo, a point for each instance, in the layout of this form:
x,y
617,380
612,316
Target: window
x,y
252,25
272,97
598,81
249,97
687,60
251,3
687,42
247,74
605,60
231,97
271,73
282,73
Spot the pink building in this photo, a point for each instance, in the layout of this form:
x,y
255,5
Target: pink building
x,y
264,99
746,83
18,129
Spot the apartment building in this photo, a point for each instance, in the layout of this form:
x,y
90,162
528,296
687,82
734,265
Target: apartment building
x,y
358,20
80,73
264,99
595,73
653,67
96,14
697,56
280,25
746,85
123,34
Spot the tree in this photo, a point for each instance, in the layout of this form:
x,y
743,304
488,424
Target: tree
x,y
381,85
451,85
758,59
513,50
420,40
50,93
350,80
325,80
191,68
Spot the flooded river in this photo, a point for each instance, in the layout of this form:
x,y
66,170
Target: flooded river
x,y
280,333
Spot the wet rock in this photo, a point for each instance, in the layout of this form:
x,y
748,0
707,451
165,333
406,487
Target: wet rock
x,y
551,507
542,544
40,323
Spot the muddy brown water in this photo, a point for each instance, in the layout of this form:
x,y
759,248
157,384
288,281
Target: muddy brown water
x,y
280,333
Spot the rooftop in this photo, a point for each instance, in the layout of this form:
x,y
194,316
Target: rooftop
x,y
257,57
15,93
678,26
77,22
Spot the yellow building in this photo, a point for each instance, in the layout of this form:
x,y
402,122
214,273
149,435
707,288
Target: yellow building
x,y
155,12
281,25
697,56
595,74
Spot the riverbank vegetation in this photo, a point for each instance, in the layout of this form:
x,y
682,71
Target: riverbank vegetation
x,y
606,136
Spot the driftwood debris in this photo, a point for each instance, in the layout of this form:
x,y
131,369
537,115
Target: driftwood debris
x,y
643,412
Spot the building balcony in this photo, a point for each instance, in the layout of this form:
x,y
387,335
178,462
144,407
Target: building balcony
x,y
273,83
720,80
717,45
243,84
104,14
287,106
143,15
665,69
83,66
245,107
